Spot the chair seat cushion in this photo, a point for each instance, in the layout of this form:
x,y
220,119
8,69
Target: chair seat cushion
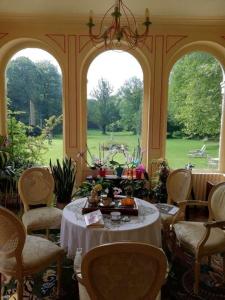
x,y
189,234
42,218
37,254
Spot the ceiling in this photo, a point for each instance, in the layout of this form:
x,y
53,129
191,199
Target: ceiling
x,y
205,9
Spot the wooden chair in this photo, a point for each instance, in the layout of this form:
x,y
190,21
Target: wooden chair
x,y
123,270
36,186
22,255
198,152
203,239
178,187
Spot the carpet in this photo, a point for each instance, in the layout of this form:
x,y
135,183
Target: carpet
x,y
179,284
180,280
43,285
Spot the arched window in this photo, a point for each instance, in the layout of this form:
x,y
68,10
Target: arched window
x,y
34,92
114,105
194,112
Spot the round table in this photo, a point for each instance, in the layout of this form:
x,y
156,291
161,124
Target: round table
x,y
146,227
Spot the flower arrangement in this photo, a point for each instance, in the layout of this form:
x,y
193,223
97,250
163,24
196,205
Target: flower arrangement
x,y
106,158
97,188
131,161
96,162
159,192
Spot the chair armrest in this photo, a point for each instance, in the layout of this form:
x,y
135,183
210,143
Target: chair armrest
x,y
182,207
192,202
214,224
209,225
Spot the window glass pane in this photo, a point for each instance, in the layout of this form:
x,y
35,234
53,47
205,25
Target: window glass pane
x,y
114,105
194,112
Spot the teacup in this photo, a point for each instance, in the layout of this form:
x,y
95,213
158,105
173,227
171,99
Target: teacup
x,y
115,215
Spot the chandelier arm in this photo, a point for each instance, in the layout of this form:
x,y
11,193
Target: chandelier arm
x,y
123,27
99,34
124,7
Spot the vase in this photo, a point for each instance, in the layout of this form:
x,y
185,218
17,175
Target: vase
x,y
138,174
102,172
119,171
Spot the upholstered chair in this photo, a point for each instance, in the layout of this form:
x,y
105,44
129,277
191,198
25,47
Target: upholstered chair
x,y
36,186
123,270
23,255
178,186
203,239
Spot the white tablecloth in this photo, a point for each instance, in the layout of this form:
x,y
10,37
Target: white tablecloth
x,y
146,227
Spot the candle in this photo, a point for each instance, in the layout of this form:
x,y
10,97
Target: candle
x,y
146,13
91,15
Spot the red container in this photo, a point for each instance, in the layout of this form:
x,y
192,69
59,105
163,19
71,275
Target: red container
x,y
102,172
138,174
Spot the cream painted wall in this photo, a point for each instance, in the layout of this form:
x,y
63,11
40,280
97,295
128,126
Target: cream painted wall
x,y
69,44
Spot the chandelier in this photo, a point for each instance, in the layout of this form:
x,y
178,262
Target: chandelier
x,y
123,28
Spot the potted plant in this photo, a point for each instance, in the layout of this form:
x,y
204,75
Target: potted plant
x,y
7,176
159,192
64,175
118,167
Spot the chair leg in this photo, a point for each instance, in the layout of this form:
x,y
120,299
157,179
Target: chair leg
x,y
223,266
0,286
20,288
197,275
59,271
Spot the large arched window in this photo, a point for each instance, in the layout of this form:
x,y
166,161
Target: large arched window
x,y
194,112
114,106
34,92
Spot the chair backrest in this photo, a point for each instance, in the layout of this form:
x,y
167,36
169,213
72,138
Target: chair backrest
x,y
178,185
217,202
36,186
124,270
203,148
12,236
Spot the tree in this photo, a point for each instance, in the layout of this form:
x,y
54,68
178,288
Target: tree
x,y
105,105
35,88
195,95
92,108
23,87
130,104
50,97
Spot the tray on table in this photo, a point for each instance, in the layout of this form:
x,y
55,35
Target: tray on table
x,y
124,210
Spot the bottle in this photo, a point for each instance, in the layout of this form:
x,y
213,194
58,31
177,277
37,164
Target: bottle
x,y
77,261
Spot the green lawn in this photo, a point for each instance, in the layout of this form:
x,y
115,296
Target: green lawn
x,y
176,149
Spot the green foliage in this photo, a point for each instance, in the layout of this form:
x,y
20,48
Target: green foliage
x,y
24,150
136,188
159,192
195,95
64,175
85,188
130,104
105,109
7,172
34,84
50,124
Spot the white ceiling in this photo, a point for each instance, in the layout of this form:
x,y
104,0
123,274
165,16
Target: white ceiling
x,y
213,9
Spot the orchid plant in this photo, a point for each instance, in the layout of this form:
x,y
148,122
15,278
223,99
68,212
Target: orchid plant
x,y
107,157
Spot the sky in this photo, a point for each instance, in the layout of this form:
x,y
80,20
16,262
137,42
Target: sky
x,y
114,66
